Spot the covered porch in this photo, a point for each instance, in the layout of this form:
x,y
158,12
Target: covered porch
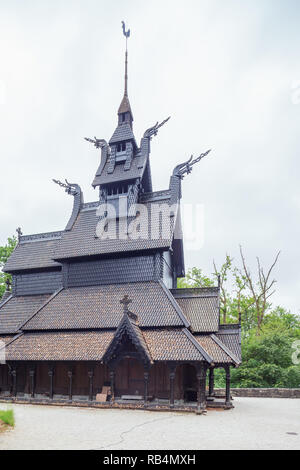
x,y
163,385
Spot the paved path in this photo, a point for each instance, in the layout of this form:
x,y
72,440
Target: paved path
x,y
254,423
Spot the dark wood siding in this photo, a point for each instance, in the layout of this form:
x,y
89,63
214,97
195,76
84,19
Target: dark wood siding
x,y
61,380
4,378
42,380
37,283
101,377
80,379
112,271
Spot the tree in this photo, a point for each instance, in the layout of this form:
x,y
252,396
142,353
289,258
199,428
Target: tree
x,y
267,359
5,252
195,278
244,298
261,290
222,276
268,334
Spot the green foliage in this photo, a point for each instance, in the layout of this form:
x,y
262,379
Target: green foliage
x,y
267,350
195,278
7,416
5,252
280,319
267,359
219,378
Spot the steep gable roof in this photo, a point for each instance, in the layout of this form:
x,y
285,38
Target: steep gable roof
x,y
122,132
128,328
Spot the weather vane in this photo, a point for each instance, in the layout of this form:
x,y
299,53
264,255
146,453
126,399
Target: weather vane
x,y
126,33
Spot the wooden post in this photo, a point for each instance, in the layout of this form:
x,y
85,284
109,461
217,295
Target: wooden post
x,y
172,368
201,382
211,390
14,381
112,384
51,373
146,382
91,377
172,378
227,393
70,375
32,381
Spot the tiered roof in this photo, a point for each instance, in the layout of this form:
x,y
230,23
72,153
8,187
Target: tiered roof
x,y
86,322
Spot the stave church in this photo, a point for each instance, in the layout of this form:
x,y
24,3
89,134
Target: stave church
x,y
93,315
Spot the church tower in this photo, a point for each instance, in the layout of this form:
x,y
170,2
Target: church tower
x,y
124,170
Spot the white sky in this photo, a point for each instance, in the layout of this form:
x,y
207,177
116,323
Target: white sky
x,y
227,72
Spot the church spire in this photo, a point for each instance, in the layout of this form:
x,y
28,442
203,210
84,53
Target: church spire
x,y
127,35
124,111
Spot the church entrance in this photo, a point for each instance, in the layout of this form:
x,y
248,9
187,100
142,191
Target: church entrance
x,y
129,378
189,379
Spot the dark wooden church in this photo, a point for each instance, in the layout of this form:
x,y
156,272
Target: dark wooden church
x,y
94,314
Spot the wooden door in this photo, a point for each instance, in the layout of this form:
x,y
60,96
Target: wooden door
x,y
136,377
129,378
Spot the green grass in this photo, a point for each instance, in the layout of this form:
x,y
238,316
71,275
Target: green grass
x,y
7,417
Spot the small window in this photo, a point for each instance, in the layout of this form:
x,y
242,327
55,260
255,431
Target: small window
x,y
121,147
123,117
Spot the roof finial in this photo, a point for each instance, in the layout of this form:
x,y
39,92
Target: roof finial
x,y
19,232
127,35
125,302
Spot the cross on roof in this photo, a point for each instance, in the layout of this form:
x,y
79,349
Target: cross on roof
x,y
125,302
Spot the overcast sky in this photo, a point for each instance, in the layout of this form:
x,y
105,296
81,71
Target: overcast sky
x,y
228,73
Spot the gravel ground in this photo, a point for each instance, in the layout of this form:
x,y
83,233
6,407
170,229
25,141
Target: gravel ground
x,y
254,423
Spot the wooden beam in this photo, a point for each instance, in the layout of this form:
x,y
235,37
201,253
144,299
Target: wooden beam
x,y
201,385
32,381
50,374
112,384
211,390
70,375
227,392
91,379
14,380
146,383
172,369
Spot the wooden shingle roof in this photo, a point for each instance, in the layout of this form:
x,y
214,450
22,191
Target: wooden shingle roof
x,y
99,307
17,310
33,252
59,346
200,306
81,240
